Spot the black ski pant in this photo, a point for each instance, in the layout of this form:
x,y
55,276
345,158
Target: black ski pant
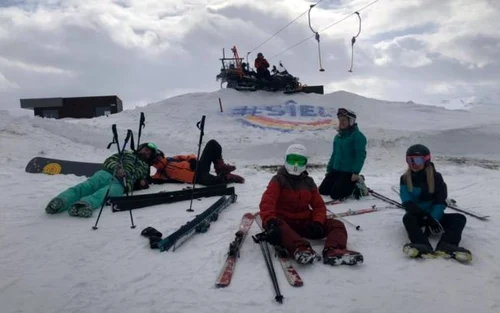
x,y
211,153
453,225
337,185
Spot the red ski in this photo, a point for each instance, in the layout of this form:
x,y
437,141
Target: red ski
x,y
234,251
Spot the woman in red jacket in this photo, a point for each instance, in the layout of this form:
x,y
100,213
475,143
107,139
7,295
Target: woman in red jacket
x,y
292,208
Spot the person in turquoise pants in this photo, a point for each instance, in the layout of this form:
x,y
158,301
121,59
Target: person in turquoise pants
x,y
81,200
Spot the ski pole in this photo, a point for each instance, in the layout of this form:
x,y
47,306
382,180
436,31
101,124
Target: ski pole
x,y
201,126
262,241
358,227
120,153
141,125
384,198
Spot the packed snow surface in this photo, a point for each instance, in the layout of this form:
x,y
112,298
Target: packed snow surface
x,y
57,263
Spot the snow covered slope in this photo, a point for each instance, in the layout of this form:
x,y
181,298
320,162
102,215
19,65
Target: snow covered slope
x,y
59,264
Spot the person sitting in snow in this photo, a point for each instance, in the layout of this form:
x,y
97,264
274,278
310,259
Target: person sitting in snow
x,y
423,194
291,208
119,176
181,168
342,177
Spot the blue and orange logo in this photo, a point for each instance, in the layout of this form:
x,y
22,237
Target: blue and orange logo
x,y
289,116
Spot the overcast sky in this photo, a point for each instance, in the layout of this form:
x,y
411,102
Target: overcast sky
x,y
148,50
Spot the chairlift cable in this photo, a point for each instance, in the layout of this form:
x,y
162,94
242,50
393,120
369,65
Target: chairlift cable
x,y
281,29
337,22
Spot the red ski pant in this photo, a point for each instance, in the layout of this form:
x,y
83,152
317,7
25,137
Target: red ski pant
x,y
293,233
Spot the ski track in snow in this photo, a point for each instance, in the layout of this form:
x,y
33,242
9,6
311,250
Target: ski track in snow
x,y
59,264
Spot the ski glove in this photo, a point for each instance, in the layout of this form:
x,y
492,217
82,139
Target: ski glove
x,y
434,226
412,208
273,232
316,230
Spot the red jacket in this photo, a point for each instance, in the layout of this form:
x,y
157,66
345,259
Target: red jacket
x,y
176,168
261,63
291,197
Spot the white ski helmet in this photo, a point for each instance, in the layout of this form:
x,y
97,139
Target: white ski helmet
x,y
296,159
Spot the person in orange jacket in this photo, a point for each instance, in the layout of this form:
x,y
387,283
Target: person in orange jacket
x,y
261,65
291,208
181,168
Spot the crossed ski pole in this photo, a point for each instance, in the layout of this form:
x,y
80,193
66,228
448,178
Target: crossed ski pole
x,y
120,153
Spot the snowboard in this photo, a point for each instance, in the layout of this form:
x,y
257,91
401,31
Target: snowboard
x,y
51,166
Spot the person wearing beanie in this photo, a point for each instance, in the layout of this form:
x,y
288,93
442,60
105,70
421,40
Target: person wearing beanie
x,y
292,209
423,194
343,177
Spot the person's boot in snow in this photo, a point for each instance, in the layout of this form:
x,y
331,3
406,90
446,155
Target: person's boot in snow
x,y
335,256
233,178
81,209
448,250
305,255
418,250
55,206
222,168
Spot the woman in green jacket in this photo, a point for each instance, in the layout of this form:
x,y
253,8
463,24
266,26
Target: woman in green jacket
x,y
342,177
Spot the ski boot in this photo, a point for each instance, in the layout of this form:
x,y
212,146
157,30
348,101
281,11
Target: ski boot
x,y
336,256
55,205
81,209
222,168
306,255
233,178
447,251
360,190
418,250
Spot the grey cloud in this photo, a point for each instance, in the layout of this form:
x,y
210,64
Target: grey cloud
x,y
185,57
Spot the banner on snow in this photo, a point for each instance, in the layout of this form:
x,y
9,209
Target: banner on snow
x,y
289,116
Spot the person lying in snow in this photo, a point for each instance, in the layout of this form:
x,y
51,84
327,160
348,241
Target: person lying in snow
x,y
181,168
423,194
342,177
287,216
81,200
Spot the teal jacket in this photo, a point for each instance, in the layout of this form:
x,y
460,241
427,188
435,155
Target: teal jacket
x,y
349,151
135,168
433,204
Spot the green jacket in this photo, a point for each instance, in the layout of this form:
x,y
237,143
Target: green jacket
x,y
349,151
135,168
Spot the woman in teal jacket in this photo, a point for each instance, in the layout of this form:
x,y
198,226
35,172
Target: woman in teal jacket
x,y
423,194
348,157
81,200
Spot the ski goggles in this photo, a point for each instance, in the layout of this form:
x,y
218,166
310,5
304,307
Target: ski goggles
x,y
417,159
151,145
295,159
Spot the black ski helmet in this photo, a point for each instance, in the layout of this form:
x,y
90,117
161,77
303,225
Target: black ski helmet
x,y
347,113
151,146
419,150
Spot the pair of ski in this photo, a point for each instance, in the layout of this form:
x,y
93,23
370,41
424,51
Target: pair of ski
x,y
224,278
124,203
